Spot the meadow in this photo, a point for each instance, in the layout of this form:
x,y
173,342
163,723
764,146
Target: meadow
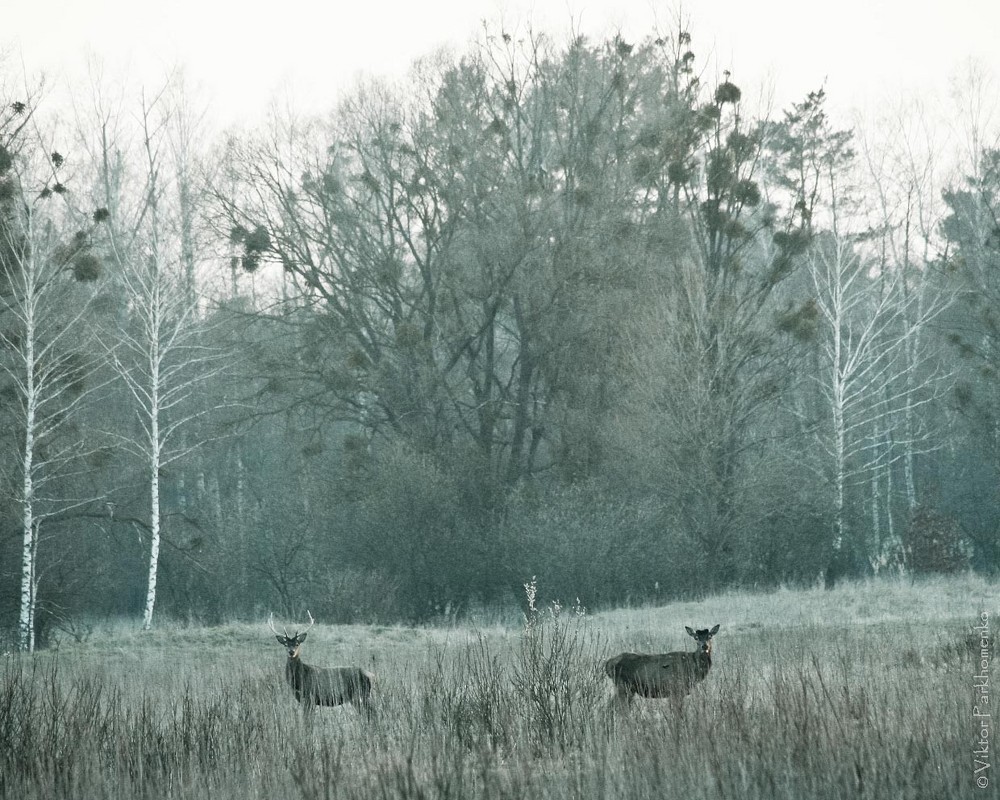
x,y
862,691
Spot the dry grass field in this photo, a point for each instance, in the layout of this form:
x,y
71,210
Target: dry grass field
x,y
864,691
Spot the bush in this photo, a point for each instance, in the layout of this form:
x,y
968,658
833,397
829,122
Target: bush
x,y
934,543
353,596
415,526
556,694
587,544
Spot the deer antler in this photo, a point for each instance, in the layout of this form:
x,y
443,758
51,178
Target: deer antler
x,y
270,624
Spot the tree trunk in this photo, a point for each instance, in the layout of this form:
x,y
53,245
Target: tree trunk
x,y
875,550
840,444
523,396
25,637
154,532
155,455
33,605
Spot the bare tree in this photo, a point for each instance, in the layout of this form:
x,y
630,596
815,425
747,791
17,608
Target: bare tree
x,y
869,377
45,355
444,246
161,353
713,357
901,167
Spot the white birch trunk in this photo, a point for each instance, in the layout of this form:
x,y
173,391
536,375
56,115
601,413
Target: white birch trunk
x,y
155,448
910,353
840,480
241,509
889,523
25,637
908,458
154,537
24,626
215,499
33,605
839,431
875,553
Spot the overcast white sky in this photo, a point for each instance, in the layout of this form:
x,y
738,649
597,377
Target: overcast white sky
x,y
243,53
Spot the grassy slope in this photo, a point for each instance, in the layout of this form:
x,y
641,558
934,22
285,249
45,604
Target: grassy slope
x,y
863,691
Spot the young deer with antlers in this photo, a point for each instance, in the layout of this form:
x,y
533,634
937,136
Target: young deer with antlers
x,y
663,674
318,686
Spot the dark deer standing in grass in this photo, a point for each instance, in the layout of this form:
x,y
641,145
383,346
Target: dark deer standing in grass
x,y
663,674
318,686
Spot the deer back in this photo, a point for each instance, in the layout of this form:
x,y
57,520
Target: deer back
x,y
331,686
659,674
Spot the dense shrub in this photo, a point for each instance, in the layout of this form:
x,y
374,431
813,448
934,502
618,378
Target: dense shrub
x,y
934,543
415,524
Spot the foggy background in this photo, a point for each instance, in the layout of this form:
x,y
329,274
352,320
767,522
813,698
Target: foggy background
x,y
598,307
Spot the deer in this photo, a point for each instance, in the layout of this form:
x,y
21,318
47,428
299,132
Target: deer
x,y
319,686
663,675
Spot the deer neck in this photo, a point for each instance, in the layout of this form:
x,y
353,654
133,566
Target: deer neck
x,y
295,671
704,659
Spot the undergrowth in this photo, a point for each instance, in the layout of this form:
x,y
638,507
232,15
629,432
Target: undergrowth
x,y
845,709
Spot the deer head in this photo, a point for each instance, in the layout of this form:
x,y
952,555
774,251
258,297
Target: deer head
x,y
290,643
704,638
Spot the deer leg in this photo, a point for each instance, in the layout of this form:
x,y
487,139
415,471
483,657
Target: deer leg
x,y
622,698
364,707
308,713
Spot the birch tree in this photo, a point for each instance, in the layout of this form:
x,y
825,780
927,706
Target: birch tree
x,y
868,377
44,354
865,309
160,355
906,212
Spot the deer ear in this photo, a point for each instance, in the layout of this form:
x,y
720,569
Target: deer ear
x,y
690,632
281,639
714,630
300,638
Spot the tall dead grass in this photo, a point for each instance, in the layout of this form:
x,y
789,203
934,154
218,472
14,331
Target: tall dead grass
x,y
799,703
